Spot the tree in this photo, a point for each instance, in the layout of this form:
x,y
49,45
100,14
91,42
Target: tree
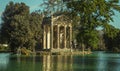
x,y
20,28
15,28
88,38
36,29
91,14
53,6
111,38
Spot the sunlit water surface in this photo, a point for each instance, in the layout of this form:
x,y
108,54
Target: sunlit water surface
x,y
98,61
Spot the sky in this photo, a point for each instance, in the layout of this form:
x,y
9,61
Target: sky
x,y
34,5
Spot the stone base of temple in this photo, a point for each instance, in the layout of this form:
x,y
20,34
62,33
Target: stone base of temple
x,y
61,50
58,50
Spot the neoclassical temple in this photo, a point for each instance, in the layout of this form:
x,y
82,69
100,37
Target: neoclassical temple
x,y
57,34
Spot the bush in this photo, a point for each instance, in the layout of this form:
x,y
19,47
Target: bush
x,y
4,48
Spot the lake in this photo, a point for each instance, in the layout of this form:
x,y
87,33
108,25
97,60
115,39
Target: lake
x,y
97,61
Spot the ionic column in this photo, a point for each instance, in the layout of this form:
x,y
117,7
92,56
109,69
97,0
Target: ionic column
x,y
58,37
70,36
51,33
48,39
44,38
64,36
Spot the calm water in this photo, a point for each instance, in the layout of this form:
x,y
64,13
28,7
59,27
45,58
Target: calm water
x,y
98,61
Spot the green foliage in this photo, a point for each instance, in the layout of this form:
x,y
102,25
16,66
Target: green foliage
x,y
11,12
87,15
52,6
93,12
15,28
4,48
111,31
89,38
19,27
112,38
35,23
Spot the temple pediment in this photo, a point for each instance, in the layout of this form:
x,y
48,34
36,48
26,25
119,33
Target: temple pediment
x,y
61,19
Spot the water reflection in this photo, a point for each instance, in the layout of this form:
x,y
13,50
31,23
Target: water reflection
x,y
4,60
43,63
107,61
46,62
24,63
57,63
99,61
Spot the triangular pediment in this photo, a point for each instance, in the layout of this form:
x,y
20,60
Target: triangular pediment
x,y
57,19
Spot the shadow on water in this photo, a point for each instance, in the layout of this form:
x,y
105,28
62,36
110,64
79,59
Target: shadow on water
x,y
98,61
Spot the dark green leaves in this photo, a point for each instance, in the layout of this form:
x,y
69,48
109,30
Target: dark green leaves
x,y
87,15
19,27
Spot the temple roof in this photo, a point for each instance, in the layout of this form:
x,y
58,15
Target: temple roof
x,y
57,19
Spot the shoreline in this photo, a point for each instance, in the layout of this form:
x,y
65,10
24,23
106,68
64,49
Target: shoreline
x,y
52,53
63,53
5,51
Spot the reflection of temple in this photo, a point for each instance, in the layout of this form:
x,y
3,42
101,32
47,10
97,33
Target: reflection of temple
x,y
57,33
57,63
